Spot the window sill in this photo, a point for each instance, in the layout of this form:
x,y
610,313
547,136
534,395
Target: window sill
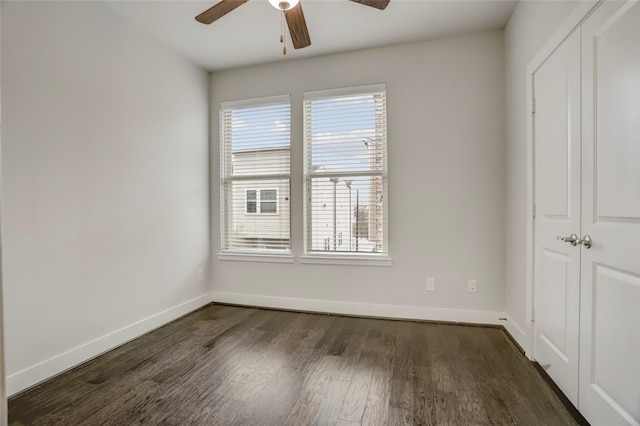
x,y
252,257
356,260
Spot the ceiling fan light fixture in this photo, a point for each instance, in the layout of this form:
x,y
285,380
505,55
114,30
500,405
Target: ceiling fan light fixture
x,y
284,5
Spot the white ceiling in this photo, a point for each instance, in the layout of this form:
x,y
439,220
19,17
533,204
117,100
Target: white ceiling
x,y
250,34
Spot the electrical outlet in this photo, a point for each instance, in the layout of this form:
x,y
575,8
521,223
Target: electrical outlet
x,y
472,286
200,275
431,284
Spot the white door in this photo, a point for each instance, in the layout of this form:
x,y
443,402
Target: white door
x,y
610,299
557,199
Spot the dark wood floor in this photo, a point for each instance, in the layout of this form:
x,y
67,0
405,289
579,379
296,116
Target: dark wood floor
x,y
224,365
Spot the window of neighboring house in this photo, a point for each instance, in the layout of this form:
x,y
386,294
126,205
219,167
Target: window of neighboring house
x,y
255,175
264,201
252,201
345,171
269,201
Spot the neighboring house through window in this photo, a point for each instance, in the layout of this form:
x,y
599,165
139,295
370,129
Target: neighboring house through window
x,y
345,171
255,175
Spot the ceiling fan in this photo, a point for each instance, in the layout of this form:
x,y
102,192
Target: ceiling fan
x,y
291,9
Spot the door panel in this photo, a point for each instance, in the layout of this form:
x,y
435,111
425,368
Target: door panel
x,y
617,67
553,296
557,198
610,294
556,147
616,292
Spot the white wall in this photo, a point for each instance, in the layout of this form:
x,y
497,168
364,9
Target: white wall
x,y
530,27
105,174
446,182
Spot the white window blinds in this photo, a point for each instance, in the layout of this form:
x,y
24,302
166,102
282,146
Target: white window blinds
x,y
345,171
255,175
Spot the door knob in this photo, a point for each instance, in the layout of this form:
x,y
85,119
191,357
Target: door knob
x,y
586,241
573,239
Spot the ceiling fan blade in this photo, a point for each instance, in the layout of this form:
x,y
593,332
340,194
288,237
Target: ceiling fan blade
x,y
378,4
219,10
297,27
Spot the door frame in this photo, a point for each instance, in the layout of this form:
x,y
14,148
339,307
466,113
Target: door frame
x,y
524,334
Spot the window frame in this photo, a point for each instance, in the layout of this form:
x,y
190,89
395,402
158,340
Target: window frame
x,y
227,250
343,257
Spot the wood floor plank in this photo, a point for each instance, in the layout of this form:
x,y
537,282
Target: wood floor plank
x,y
497,399
348,359
331,404
444,388
470,401
342,337
356,400
346,423
125,407
320,375
401,393
424,412
446,404
227,365
377,404
398,417
277,400
360,385
281,393
195,411
304,410
314,368
229,413
424,404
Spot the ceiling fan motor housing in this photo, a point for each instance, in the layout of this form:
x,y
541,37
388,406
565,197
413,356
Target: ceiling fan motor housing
x,y
284,5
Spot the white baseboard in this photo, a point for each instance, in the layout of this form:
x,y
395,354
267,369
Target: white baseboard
x,y
35,374
518,335
363,309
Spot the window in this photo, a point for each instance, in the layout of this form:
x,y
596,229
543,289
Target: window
x,y
255,175
252,201
267,199
345,171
